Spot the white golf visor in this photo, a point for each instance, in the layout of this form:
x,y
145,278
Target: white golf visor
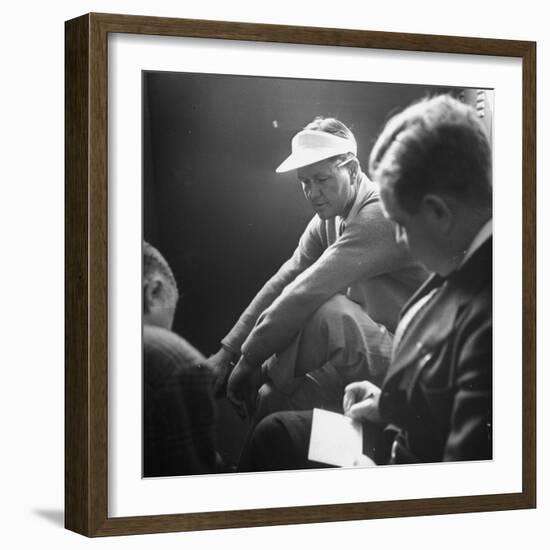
x,y
310,146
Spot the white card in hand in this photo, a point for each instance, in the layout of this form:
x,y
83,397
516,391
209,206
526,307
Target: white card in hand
x,y
335,439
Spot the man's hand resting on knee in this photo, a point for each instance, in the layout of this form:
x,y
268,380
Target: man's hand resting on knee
x,y
220,364
243,385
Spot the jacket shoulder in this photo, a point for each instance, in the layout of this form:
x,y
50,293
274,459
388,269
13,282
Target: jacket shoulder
x,y
168,354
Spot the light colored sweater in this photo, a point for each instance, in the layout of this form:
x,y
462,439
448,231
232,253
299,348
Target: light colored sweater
x,y
363,262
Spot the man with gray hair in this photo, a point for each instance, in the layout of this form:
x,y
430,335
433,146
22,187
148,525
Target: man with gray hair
x,y
327,316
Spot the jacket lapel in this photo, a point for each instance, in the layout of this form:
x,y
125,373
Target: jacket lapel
x,y
434,323
433,281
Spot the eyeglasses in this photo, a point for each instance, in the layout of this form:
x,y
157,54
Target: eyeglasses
x,y
344,162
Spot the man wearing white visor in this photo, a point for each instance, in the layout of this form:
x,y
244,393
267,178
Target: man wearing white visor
x,y
327,316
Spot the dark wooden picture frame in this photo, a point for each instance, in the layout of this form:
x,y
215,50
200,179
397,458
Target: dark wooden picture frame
x,y
86,281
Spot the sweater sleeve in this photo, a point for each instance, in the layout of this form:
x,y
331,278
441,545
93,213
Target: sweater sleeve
x,y
366,249
310,247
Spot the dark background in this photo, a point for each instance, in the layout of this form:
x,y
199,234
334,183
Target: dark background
x,y
213,204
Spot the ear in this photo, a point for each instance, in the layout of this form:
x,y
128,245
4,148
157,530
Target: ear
x,y
153,292
438,213
354,169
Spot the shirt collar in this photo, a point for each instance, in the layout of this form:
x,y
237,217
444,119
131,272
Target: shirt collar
x,y
483,234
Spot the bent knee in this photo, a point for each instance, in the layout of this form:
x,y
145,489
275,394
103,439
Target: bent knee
x,y
269,400
333,308
276,428
269,429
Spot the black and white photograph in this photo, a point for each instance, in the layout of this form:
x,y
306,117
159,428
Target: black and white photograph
x,y
317,274
274,275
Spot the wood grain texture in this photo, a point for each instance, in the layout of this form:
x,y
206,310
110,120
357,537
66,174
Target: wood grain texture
x,y
308,35
529,187
86,283
98,254
309,514
77,459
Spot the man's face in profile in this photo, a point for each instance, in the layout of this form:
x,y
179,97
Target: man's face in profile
x,y
327,186
412,230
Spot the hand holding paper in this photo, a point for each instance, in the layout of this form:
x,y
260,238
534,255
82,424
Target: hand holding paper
x,y
361,401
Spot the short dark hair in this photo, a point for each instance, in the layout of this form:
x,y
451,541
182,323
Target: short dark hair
x,y
154,264
437,145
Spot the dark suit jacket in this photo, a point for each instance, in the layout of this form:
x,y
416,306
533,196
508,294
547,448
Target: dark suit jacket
x,y
438,390
178,408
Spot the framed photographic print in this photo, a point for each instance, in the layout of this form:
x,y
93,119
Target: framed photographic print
x,y
190,199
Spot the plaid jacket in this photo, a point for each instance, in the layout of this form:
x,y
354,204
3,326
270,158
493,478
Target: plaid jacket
x,y
178,408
